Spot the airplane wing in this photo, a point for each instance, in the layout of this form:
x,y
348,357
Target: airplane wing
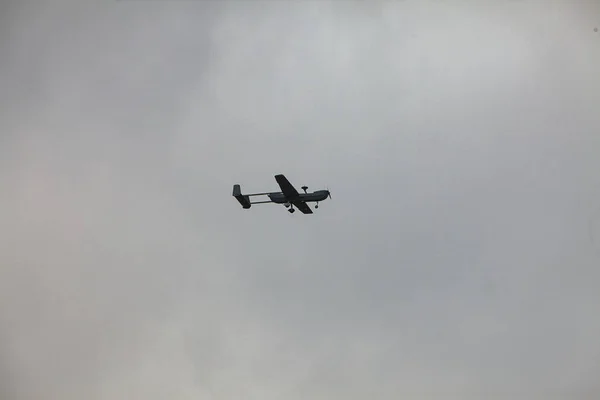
x,y
302,206
286,187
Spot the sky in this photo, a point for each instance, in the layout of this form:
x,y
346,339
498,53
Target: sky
x,y
457,259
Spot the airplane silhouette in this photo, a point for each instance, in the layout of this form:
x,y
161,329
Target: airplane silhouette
x,y
288,196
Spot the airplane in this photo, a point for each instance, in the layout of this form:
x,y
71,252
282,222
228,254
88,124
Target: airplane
x,y
288,196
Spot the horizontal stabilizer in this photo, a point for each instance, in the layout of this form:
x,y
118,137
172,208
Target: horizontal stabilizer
x,y
243,200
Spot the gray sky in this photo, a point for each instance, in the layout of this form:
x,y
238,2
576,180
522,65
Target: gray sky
x,y
457,259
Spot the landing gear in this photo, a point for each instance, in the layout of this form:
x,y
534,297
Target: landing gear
x,y
291,210
317,205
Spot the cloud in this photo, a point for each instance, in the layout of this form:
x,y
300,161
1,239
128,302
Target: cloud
x,y
454,260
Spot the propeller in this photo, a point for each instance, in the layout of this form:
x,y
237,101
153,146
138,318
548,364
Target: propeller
x,y
328,192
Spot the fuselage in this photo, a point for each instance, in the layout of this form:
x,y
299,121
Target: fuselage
x,y
280,198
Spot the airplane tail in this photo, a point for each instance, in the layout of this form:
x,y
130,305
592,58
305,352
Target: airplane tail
x,y
244,200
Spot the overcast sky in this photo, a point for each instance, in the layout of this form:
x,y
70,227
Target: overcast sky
x,y
457,259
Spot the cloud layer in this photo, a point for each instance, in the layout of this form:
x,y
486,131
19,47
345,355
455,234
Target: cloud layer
x,y
458,256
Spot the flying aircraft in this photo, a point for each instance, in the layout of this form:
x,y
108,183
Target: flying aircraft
x,y
288,196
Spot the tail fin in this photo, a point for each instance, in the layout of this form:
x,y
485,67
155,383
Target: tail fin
x,y
244,200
